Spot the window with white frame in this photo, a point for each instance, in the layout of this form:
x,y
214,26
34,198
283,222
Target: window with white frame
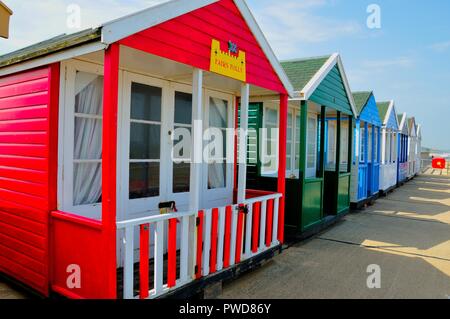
x,y
293,143
218,120
394,148
375,144
269,141
87,152
370,144
311,147
344,145
388,147
80,118
362,145
331,149
270,121
145,141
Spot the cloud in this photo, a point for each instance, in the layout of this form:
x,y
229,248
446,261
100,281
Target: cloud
x,y
381,65
289,23
441,46
373,73
34,21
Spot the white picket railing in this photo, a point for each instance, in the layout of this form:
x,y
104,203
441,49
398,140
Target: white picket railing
x,y
229,235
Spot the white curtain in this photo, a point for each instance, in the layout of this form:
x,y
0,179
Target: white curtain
x,y
88,141
218,113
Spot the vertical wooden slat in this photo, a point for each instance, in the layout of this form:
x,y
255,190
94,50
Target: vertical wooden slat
x,y
221,238
243,139
228,249
159,256
207,243
269,223
198,272
214,230
172,254
248,232
276,208
196,167
255,226
262,232
128,265
184,250
238,237
143,261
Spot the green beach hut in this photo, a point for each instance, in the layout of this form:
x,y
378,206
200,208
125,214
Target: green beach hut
x,y
319,144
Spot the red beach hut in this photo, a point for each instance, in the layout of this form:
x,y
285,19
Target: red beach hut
x,y
87,124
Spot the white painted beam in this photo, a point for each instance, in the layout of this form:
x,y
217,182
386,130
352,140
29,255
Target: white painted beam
x,y
242,177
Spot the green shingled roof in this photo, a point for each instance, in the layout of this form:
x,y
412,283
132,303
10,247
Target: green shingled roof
x,y
361,99
383,108
52,45
301,71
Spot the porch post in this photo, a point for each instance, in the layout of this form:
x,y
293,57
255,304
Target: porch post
x,y
323,115
338,143
197,140
242,175
350,144
282,164
366,143
109,155
196,165
373,144
303,133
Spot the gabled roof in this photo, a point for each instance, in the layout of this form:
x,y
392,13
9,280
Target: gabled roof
x,y
307,74
403,123
123,27
4,6
385,109
55,44
301,71
419,130
361,99
412,126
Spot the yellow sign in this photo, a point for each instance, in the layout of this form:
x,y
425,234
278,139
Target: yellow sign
x,y
224,63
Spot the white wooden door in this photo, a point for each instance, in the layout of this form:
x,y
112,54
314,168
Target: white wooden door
x,y
153,111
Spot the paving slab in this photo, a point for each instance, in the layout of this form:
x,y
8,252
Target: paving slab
x,y
406,234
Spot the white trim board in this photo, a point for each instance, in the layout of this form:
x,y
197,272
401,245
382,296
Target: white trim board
x,y
388,113
123,27
52,58
403,122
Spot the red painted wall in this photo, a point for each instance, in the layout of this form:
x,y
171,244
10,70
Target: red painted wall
x,y
187,39
28,154
78,241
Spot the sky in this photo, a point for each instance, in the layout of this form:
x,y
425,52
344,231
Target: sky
x,y
406,59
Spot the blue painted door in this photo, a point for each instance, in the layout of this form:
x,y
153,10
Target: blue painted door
x,y
363,171
374,167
